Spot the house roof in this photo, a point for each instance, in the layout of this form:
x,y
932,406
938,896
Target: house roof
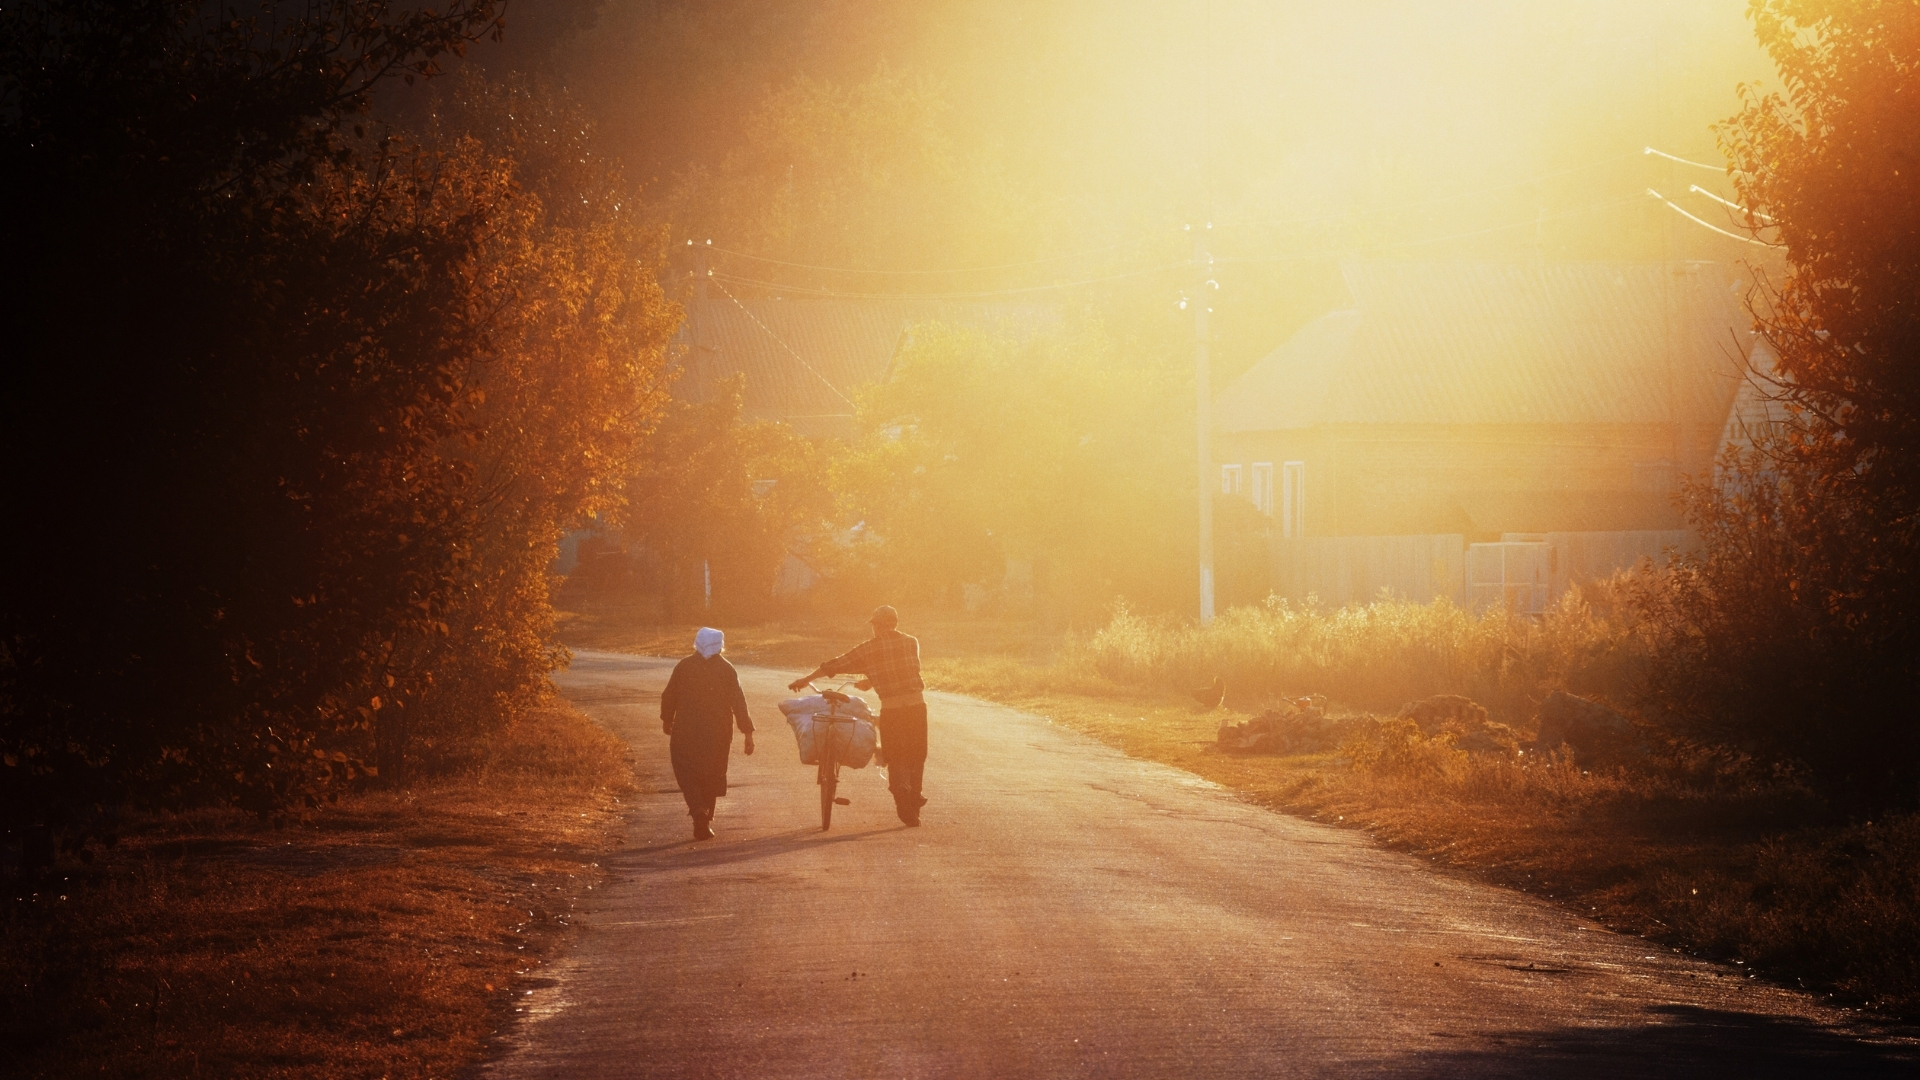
x,y
1478,343
804,360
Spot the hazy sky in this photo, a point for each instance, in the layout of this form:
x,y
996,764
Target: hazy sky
x,y
1307,131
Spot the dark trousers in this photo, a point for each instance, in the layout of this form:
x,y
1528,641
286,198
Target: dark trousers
x,y
698,804
903,738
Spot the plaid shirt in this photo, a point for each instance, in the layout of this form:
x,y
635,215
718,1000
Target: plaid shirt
x,y
891,659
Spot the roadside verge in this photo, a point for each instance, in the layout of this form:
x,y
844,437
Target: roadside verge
x,y
1741,873
388,935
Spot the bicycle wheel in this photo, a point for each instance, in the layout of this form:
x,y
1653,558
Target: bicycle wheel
x,y
829,780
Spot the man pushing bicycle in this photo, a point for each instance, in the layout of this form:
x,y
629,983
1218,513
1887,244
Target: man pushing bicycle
x,y
890,660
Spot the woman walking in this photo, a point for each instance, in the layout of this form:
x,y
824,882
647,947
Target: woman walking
x,y
698,709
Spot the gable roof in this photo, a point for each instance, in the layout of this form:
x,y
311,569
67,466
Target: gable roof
x,y
1485,343
805,359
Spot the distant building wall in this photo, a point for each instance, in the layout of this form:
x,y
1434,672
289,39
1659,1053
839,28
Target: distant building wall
x,y
1580,558
1482,480
1340,570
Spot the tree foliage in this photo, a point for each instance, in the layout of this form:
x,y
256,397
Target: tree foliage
x,y
1797,632
1831,170
867,175
1770,638
1057,452
303,404
720,500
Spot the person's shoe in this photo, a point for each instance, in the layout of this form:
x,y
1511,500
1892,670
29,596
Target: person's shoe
x,y
702,828
922,798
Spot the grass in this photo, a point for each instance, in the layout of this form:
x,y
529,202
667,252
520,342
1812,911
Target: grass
x,y
387,936
1695,849
1376,656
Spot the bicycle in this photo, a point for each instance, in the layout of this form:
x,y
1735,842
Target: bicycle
x,y
830,741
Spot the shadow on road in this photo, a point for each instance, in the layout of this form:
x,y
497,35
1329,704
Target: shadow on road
x,y
692,854
1677,1041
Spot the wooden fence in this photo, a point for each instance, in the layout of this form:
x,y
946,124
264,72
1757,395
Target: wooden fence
x,y
1341,570
1582,557
1356,569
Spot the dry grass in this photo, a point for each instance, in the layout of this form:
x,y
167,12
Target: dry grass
x,y
386,937
1376,656
1698,853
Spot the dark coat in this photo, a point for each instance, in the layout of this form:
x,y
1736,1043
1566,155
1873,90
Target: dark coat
x,y
703,701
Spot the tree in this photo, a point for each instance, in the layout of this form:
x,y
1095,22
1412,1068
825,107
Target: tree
x,y
564,397
1056,451
1797,632
865,176
1831,171
1769,639
719,500
306,404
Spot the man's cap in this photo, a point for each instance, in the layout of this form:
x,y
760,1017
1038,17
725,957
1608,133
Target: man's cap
x,y
885,617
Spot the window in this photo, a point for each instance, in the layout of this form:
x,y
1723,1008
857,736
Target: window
x,y
1229,479
1262,484
1293,499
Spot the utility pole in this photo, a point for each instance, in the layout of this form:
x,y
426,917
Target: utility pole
x,y
1203,392
700,271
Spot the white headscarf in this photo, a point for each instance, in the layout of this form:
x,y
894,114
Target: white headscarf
x,y
709,641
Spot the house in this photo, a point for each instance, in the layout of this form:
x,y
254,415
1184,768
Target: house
x,y
1490,404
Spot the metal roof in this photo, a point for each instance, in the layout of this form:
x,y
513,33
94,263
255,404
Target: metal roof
x,y
804,360
1481,343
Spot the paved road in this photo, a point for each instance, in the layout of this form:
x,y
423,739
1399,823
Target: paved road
x,y
1070,912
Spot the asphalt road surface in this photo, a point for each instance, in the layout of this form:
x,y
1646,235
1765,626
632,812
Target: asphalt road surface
x,y
1066,911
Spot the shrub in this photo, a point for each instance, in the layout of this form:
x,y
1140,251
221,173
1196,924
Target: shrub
x,y
1776,637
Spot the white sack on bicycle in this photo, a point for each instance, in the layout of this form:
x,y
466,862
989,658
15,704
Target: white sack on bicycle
x,y
855,742
813,703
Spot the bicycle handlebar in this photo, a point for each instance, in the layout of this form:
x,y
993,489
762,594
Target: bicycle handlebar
x,y
839,697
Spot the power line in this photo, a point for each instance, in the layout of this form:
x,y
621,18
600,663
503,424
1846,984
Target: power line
x,y
1708,224
1588,209
1456,197
1729,203
1293,257
955,270
1529,223
1684,161
787,289
1310,220
782,343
